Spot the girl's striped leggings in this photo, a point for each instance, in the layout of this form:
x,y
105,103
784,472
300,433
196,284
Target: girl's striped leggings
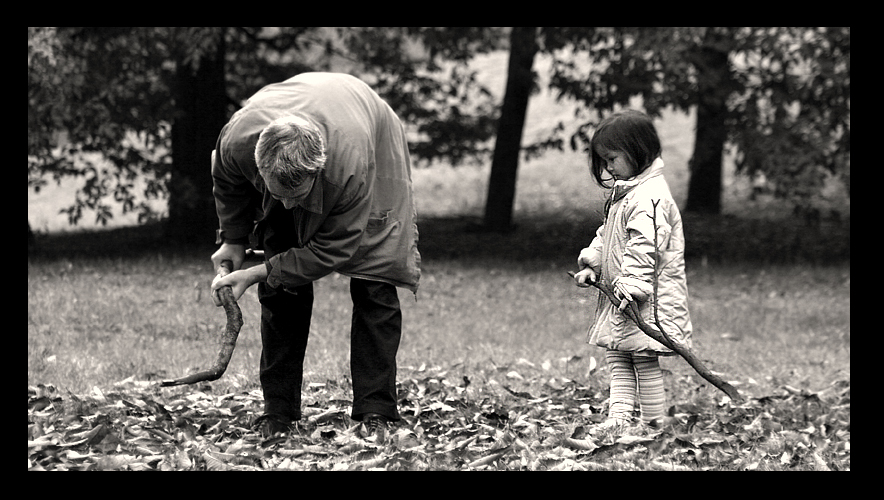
x,y
635,378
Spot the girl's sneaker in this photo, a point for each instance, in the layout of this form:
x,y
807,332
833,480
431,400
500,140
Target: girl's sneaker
x,y
611,426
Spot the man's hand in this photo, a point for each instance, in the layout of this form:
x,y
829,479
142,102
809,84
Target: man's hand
x,y
238,281
229,251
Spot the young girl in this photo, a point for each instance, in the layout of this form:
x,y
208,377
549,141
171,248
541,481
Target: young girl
x,y
626,149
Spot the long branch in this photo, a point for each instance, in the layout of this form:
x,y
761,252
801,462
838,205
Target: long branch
x,y
654,203
688,354
632,313
228,338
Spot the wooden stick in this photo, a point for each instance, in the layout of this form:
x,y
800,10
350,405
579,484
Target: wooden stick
x,y
632,313
228,337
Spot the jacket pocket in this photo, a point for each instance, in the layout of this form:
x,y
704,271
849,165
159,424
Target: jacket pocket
x,y
378,221
381,228
623,325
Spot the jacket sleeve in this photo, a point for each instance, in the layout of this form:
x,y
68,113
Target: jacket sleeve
x,y
640,255
333,245
234,199
594,250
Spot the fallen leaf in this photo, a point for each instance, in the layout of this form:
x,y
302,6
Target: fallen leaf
x,y
214,463
818,463
630,440
488,459
581,444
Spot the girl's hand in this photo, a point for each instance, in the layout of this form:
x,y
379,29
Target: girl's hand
x,y
584,277
623,294
627,293
583,260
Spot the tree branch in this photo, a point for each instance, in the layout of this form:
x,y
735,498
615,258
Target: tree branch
x,y
654,203
228,338
682,350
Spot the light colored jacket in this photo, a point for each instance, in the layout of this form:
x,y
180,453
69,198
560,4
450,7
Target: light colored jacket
x,y
623,251
359,219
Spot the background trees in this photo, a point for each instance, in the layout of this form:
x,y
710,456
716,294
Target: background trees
x,y
780,97
151,101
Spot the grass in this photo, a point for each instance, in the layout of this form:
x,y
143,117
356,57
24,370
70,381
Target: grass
x,y
93,322
497,310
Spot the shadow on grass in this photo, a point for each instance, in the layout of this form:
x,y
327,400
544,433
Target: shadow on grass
x,y
717,239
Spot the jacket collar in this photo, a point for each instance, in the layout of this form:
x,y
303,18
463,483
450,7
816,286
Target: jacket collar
x,y
313,201
622,187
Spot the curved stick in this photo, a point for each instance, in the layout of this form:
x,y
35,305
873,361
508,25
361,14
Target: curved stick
x,y
228,337
661,337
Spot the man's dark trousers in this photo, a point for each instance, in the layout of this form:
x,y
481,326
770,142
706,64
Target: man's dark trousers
x,y
285,325
374,341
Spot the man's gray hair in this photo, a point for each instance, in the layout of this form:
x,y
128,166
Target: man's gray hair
x,y
291,149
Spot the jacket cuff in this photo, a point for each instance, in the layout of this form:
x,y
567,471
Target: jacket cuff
x,y
224,236
640,290
272,280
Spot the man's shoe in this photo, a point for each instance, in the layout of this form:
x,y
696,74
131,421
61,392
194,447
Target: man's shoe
x,y
270,425
374,427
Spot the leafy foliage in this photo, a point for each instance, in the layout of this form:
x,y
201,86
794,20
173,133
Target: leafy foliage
x,y
425,76
787,92
102,102
508,417
98,109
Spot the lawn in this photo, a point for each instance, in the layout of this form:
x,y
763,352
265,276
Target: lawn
x,y
493,369
484,340
494,372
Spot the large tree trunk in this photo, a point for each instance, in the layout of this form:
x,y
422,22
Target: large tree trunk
x,y
714,86
200,100
505,163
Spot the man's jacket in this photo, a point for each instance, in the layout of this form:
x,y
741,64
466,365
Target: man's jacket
x,y
359,219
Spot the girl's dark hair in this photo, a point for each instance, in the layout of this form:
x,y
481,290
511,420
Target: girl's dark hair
x,y
629,131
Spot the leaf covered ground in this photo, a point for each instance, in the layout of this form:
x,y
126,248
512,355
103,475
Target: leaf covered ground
x,y
515,417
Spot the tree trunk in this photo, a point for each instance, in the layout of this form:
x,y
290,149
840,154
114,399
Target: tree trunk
x,y
505,163
714,86
200,100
